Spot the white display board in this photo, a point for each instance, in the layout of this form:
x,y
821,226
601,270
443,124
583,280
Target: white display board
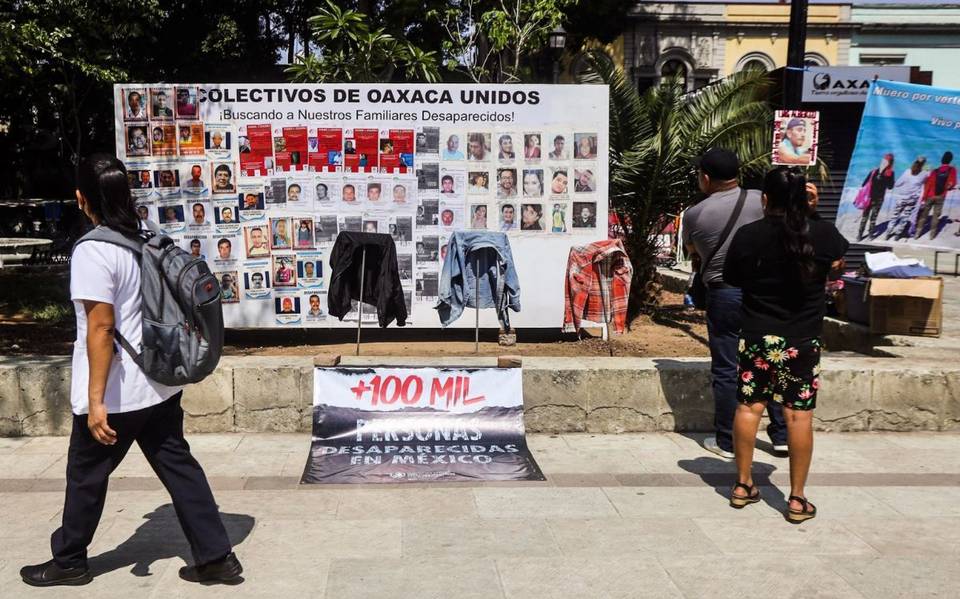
x,y
259,178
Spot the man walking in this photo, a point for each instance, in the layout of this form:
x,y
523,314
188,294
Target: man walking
x,y
703,227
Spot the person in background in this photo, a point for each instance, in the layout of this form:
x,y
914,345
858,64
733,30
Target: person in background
x,y
114,403
907,190
717,174
880,180
781,263
938,183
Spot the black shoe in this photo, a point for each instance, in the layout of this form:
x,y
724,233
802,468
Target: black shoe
x,y
226,569
49,574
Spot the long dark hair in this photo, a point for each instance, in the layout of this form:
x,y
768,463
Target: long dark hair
x,y
786,191
102,179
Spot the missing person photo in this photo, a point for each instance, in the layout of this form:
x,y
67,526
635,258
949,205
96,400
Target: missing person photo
x,y
256,241
310,270
370,226
226,215
314,307
284,271
478,146
532,182
286,305
186,102
479,182
505,150
405,267
428,140
351,223
508,217
401,229
478,216
584,215
400,194
428,248
140,179
559,147
198,215
428,176
451,147
256,284
143,212
251,200
196,246
171,217
531,216
531,146
223,181
303,237
348,194
224,249
280,234
428,213
138,144
229,292
374,193
585,146
584,180
325,228
507,183
558,182
134,104
193,179
275,193
558,218
161,103
166,178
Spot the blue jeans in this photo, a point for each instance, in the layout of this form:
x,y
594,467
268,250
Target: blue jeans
x,y
723,329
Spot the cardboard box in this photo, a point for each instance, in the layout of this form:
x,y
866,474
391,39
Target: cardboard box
x,y
906,306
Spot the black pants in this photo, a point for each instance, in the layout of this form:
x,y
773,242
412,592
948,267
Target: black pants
x,y
159,432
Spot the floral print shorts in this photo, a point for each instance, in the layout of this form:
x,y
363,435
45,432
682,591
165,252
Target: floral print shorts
x,y
773,368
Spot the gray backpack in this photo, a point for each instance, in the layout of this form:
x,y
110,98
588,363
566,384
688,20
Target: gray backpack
x,y
182,315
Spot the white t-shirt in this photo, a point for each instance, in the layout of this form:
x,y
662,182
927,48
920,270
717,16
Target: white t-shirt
x,y
104,272
910,186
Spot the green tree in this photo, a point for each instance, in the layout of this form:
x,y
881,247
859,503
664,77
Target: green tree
x,y
494,40
349,50
653,139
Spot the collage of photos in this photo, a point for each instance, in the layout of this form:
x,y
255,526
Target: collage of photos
x,y
263,204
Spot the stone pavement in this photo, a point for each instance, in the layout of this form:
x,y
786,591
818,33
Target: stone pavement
x,y
627,516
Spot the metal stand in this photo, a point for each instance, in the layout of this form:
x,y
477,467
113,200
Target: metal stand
x,y
956,262
476,306
363,268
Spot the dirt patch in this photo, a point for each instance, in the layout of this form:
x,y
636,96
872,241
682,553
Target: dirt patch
x,y
673,331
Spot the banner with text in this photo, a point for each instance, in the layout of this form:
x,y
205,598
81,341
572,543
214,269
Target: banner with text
x,y
901,186
389,425
259,179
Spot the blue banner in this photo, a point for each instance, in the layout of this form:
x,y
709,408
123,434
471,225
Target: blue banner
x,y
901,187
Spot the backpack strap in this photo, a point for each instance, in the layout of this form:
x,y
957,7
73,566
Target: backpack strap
x,y
726,230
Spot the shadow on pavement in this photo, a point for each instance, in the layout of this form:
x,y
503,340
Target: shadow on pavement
x,y
721,475
159,538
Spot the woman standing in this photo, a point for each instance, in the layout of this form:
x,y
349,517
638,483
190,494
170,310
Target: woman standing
x,y
115,404
781,263
880,180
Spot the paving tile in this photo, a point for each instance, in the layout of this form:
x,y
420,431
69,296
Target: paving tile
x,y
214,442
920,501
566,459
295,463
650,480
298,443
757,575
610,577
644,443
538,442
626,536
243,464
919,461
836,502
681,502
15,485
271,483
414,579
365,503
12,444
56,445
908,536
478,538
899,576
328,539
923,441
817,537
586,479
842,460
133,464
13,465
543,503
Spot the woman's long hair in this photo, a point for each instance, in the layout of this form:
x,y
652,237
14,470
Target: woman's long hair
x,y
786,191
102,179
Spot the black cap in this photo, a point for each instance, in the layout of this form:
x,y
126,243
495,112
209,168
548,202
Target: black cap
x,y
719,164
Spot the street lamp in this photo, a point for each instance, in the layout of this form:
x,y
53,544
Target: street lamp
x,y
558,41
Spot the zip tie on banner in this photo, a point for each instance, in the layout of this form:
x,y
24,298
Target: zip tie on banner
x,y
797,68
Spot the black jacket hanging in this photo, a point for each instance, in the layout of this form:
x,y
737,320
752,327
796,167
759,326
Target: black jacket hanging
x,y
381,279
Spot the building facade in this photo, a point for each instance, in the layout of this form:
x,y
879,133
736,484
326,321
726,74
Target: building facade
x,y
707,40
926,35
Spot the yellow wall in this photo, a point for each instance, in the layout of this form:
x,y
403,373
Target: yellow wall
x,y
759,40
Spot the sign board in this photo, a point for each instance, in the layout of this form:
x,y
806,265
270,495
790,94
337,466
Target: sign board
x,y
847,84
796,135
901,186
390,425
258,179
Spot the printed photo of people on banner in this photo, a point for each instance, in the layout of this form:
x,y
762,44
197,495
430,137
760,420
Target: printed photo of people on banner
x,y
252,193
901,186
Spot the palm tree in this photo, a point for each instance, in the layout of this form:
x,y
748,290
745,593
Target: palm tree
x,y
654,137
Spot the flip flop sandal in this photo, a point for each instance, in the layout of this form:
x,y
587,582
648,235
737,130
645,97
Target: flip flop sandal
x,y
742,502
800,516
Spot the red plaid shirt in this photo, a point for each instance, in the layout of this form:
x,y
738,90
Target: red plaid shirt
x,y
597,285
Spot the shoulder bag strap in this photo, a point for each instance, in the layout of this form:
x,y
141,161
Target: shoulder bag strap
x,y
726,230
